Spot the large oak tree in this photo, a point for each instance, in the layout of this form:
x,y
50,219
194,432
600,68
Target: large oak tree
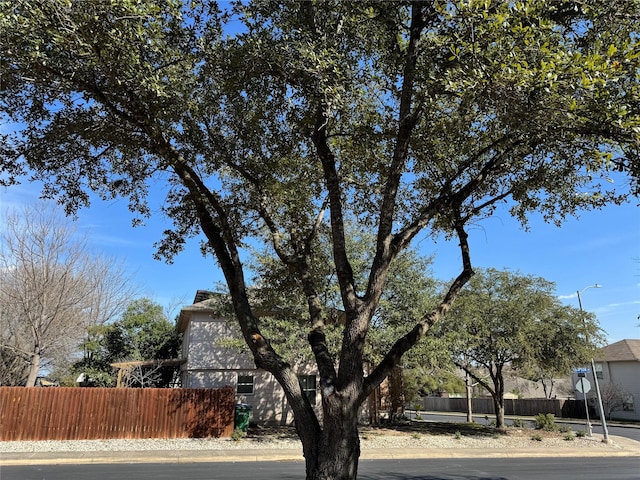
x,y
416,118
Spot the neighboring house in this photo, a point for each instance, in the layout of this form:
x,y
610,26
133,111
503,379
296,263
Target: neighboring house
x,y
45,382
215,356
617,366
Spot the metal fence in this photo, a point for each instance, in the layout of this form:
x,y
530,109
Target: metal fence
x,y
104,413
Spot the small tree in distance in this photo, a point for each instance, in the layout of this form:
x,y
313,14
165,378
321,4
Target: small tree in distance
x,y
613,396
563,339
143,333
503,320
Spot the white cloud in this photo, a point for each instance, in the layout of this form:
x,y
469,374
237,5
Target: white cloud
x,y
567,297
111,240
623,304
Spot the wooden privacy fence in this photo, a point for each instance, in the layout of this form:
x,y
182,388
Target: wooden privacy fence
x,y
525,407
103,413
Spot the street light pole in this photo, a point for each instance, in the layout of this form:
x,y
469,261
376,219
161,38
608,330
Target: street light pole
x,y
586,407
605,430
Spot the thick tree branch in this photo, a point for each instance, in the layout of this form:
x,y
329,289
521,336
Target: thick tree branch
x,y
393,357
332,182
408,116
223,243
475,376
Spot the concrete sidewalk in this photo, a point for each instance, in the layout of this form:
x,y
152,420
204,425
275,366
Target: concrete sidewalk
x,y
621,447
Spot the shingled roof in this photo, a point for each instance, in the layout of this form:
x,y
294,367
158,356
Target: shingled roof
x,y
204,301
627,350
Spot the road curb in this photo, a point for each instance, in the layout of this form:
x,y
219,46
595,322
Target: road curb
x,y
626,448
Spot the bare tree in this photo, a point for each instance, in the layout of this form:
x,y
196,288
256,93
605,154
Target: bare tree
x,y
613,395
142,375
52,288
13,363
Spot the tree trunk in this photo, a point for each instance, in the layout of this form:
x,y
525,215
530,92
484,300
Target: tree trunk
x,y
498,396
338,450
395,392
498,404
547,386
544,388
34,368
374,407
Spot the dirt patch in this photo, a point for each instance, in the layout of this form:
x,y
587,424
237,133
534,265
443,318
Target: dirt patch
x,y
411,429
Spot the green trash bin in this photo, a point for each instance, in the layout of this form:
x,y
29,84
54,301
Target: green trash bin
x,y
243,413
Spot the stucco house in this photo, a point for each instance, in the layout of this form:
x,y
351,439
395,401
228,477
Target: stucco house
x,y
215,356
617,367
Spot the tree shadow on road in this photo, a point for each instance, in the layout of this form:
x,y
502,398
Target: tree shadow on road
x,y
399,476
437,428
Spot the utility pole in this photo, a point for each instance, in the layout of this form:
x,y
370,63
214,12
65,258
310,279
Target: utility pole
x,y
605,430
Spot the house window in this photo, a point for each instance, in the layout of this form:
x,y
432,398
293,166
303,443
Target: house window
x,y
308,385
245,385
627,403
598,371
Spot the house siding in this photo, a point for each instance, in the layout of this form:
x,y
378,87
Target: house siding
x,y
627,375
621,366
205,349
212,365
268,402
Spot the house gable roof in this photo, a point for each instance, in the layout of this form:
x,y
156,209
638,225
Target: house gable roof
x,y
627,350
202,295
204,301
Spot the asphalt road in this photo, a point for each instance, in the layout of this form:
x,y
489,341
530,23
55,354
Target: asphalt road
x,y
607,468
628,432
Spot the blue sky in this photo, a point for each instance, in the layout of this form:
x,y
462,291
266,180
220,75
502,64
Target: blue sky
x,y
601,247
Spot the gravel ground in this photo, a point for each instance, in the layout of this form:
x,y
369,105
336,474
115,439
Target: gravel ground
x,y
370,439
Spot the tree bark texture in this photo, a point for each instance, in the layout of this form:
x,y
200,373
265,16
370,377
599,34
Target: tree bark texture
x,y
34,368
395,391
498,398
498,404
339,444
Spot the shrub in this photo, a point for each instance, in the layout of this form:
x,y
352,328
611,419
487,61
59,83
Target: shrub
x,y
569,436
546,421
565,428
581,434
518,423
457,435
536,437
238,434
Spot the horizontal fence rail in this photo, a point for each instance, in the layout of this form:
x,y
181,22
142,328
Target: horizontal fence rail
x,y
107,413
